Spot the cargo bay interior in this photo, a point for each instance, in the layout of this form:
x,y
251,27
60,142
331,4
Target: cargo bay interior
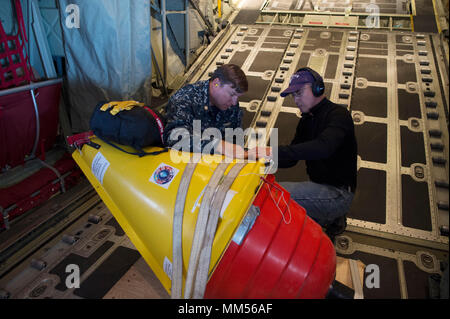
x,y
385,60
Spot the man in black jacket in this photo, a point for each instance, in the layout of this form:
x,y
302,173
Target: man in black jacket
x,y
325,139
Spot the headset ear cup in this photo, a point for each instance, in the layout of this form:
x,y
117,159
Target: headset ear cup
x,y
319,88
314,88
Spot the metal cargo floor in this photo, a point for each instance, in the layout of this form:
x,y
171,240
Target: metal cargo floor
x,y
394,83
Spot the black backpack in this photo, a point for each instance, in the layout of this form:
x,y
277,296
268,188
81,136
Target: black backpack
x,y
138,127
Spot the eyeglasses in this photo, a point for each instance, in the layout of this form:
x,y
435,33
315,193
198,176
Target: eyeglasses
x,y
233,93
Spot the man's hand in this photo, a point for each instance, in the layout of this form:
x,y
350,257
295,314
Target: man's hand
x,y
231,150
260,152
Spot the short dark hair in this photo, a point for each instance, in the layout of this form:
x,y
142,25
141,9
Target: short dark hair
x,y
231,74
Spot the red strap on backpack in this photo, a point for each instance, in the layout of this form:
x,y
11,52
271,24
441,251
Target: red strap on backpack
x,y
158,121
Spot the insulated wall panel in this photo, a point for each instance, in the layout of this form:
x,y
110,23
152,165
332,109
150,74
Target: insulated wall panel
x,y
374,147
367,204
415,204
256,89
372,101
408,105
412,147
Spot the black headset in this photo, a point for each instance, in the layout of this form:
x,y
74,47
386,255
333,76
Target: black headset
x,y
318,87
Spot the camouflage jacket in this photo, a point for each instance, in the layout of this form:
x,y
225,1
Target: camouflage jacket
x,y
191,103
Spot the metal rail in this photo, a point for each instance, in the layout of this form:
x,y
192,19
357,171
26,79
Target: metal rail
x,y
391,22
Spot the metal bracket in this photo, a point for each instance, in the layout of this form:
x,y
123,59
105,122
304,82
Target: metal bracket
x,y
246,224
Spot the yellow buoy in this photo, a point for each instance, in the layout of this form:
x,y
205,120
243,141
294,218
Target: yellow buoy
x,y
141,192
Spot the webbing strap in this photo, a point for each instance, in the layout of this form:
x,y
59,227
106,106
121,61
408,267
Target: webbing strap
x,y
201,277
200,227
140,152
177,249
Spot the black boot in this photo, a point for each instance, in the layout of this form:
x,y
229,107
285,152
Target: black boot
x,y
340,291
336,228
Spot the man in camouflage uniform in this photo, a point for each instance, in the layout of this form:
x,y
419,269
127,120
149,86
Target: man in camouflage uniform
x,y
214,103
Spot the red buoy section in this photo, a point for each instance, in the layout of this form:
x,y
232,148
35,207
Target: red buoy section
x,y
284,255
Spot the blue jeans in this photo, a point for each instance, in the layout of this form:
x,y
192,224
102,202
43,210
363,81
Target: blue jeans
x,y
323,203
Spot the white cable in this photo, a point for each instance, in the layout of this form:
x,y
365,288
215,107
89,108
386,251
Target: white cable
x,y
277,203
